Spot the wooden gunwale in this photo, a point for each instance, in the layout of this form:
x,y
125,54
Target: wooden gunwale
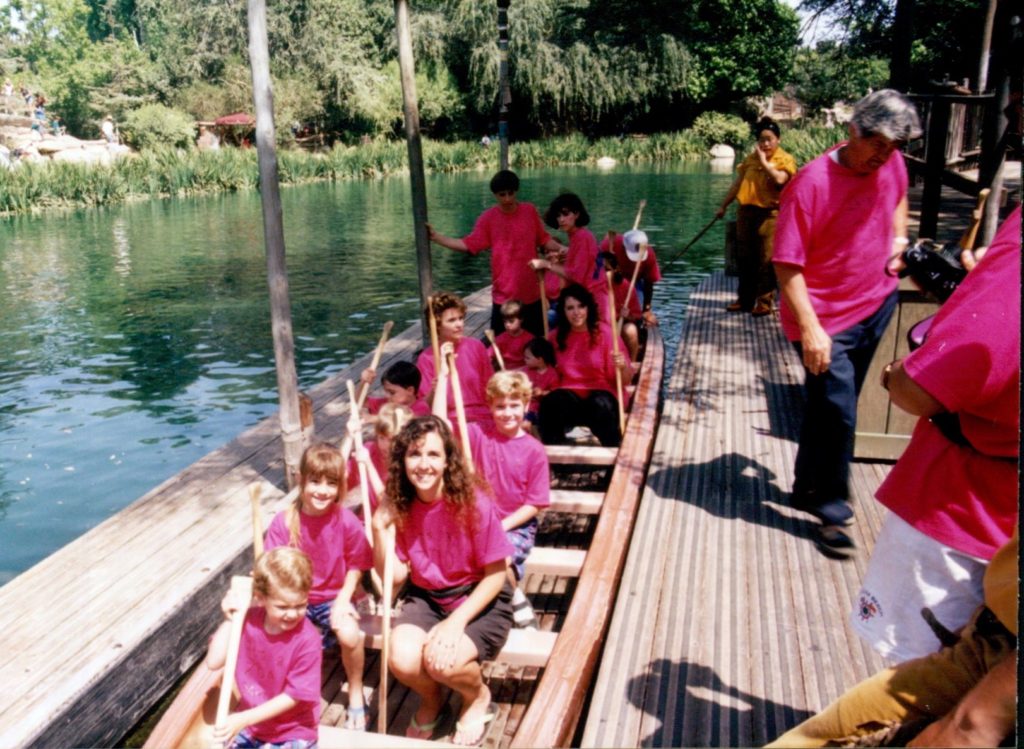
x,y
573,658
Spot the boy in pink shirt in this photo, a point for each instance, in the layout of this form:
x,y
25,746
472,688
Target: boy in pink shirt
x,y
513,340
278,670
540,368
401,384
513,231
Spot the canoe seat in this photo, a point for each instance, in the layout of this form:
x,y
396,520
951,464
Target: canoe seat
x,y
334,737
576,501
524,647
544,560
588,455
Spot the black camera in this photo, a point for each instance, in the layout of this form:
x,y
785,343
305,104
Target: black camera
x,y
935,268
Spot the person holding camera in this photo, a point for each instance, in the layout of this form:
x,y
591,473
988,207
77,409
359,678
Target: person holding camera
x,y
842,219
952,496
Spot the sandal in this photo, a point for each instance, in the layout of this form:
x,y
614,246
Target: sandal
x,y
472,733
426,730
355,719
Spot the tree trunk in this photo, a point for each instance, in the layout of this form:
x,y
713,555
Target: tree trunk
x,y
273,236
902,41
504,93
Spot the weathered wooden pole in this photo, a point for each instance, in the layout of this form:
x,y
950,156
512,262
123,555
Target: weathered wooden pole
x,y
505,92
412,136
273,237
986,46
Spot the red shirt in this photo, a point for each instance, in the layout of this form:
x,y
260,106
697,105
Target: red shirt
x,y
513,239
473,363
512,347
585,365
516,468
649,271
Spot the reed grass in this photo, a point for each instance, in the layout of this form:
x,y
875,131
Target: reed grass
x,y
170,172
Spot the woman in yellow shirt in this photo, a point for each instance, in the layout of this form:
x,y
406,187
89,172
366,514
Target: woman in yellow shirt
x,y
758,182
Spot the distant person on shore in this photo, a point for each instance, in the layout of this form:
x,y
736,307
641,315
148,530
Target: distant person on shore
x,y
842,219
208,140
279,658
107,128
953,495
759,181
513,231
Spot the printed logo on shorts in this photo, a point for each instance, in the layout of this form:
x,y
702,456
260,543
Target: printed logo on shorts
x,y
869,607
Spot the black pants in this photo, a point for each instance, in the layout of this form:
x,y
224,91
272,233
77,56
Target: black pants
x,y
561,410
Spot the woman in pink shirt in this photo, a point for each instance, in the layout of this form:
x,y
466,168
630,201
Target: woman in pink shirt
x,y
586,368
457,608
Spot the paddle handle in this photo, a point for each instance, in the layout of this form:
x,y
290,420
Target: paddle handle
x,y
365,389
639,213
544,306
971,234
497,352
364,490
632,284
435,344
615,352
255,490
242,588
385,648
460,414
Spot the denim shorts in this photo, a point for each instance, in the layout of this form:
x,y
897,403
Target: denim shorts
x,y
320,615
522,538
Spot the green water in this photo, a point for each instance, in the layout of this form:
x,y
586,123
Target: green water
x,y
134,340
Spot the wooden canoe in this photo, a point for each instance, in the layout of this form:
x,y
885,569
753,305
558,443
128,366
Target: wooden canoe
x,y
560,659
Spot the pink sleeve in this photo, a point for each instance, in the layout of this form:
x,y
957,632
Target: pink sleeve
x,y
358,554
539,228
538,483
479,239
277,534
793,228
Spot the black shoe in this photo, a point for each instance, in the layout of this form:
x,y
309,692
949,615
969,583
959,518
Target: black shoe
x,y
834,512
833,542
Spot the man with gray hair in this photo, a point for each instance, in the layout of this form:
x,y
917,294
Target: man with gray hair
x,y
842,222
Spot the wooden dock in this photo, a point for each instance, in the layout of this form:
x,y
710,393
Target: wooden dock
x,y
730,626
87,630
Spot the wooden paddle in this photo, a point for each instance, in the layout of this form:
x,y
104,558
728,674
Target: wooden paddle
x,y
639,213
241,587
255,490
365,389
460,414
435,345
364,486
497,352
971,234
385,629
544,306
615,352
632,282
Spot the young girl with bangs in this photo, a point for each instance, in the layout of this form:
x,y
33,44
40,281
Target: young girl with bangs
x,y
450,545
334,539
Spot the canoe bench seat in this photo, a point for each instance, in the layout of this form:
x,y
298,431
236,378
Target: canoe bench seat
x,y
576,501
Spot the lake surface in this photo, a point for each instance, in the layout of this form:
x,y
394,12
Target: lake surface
x,y
136,339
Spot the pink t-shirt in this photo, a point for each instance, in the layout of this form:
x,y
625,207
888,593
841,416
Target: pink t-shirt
x,y
517,469
380,462
583,266
473,362
288,663
511,348
962,497
649,270
584,366
621,289
552,285
545,382
419,408
334,541
513,239
444,553
837,226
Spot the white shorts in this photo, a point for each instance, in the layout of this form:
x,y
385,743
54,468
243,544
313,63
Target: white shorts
x,y
909,571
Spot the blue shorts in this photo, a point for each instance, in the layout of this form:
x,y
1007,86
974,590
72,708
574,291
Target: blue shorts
x,y
522,538
245,740
320,615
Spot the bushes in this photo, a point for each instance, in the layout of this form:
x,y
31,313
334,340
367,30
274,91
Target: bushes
x,y
715,127
154,125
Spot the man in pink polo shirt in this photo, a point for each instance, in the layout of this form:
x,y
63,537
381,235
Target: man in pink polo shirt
x,y
513,231
842,220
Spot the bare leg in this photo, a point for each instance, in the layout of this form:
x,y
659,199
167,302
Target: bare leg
x,y
406,663
353,658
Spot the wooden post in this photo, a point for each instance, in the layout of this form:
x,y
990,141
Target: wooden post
x,y
412,137
505,92
273,235
935,164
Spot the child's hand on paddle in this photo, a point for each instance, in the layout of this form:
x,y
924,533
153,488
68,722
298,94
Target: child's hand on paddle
x,y
368,375
223,733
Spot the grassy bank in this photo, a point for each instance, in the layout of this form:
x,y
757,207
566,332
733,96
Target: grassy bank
x,y
170,173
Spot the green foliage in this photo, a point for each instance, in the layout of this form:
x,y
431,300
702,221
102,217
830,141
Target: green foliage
x,y
155,125
824,75
715,127
809,142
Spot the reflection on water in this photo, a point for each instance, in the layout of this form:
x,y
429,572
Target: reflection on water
x,y
135,340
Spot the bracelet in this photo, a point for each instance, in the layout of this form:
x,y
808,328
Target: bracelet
x,y
901,240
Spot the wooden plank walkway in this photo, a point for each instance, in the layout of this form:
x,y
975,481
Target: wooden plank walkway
x,y
730,626
87,630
